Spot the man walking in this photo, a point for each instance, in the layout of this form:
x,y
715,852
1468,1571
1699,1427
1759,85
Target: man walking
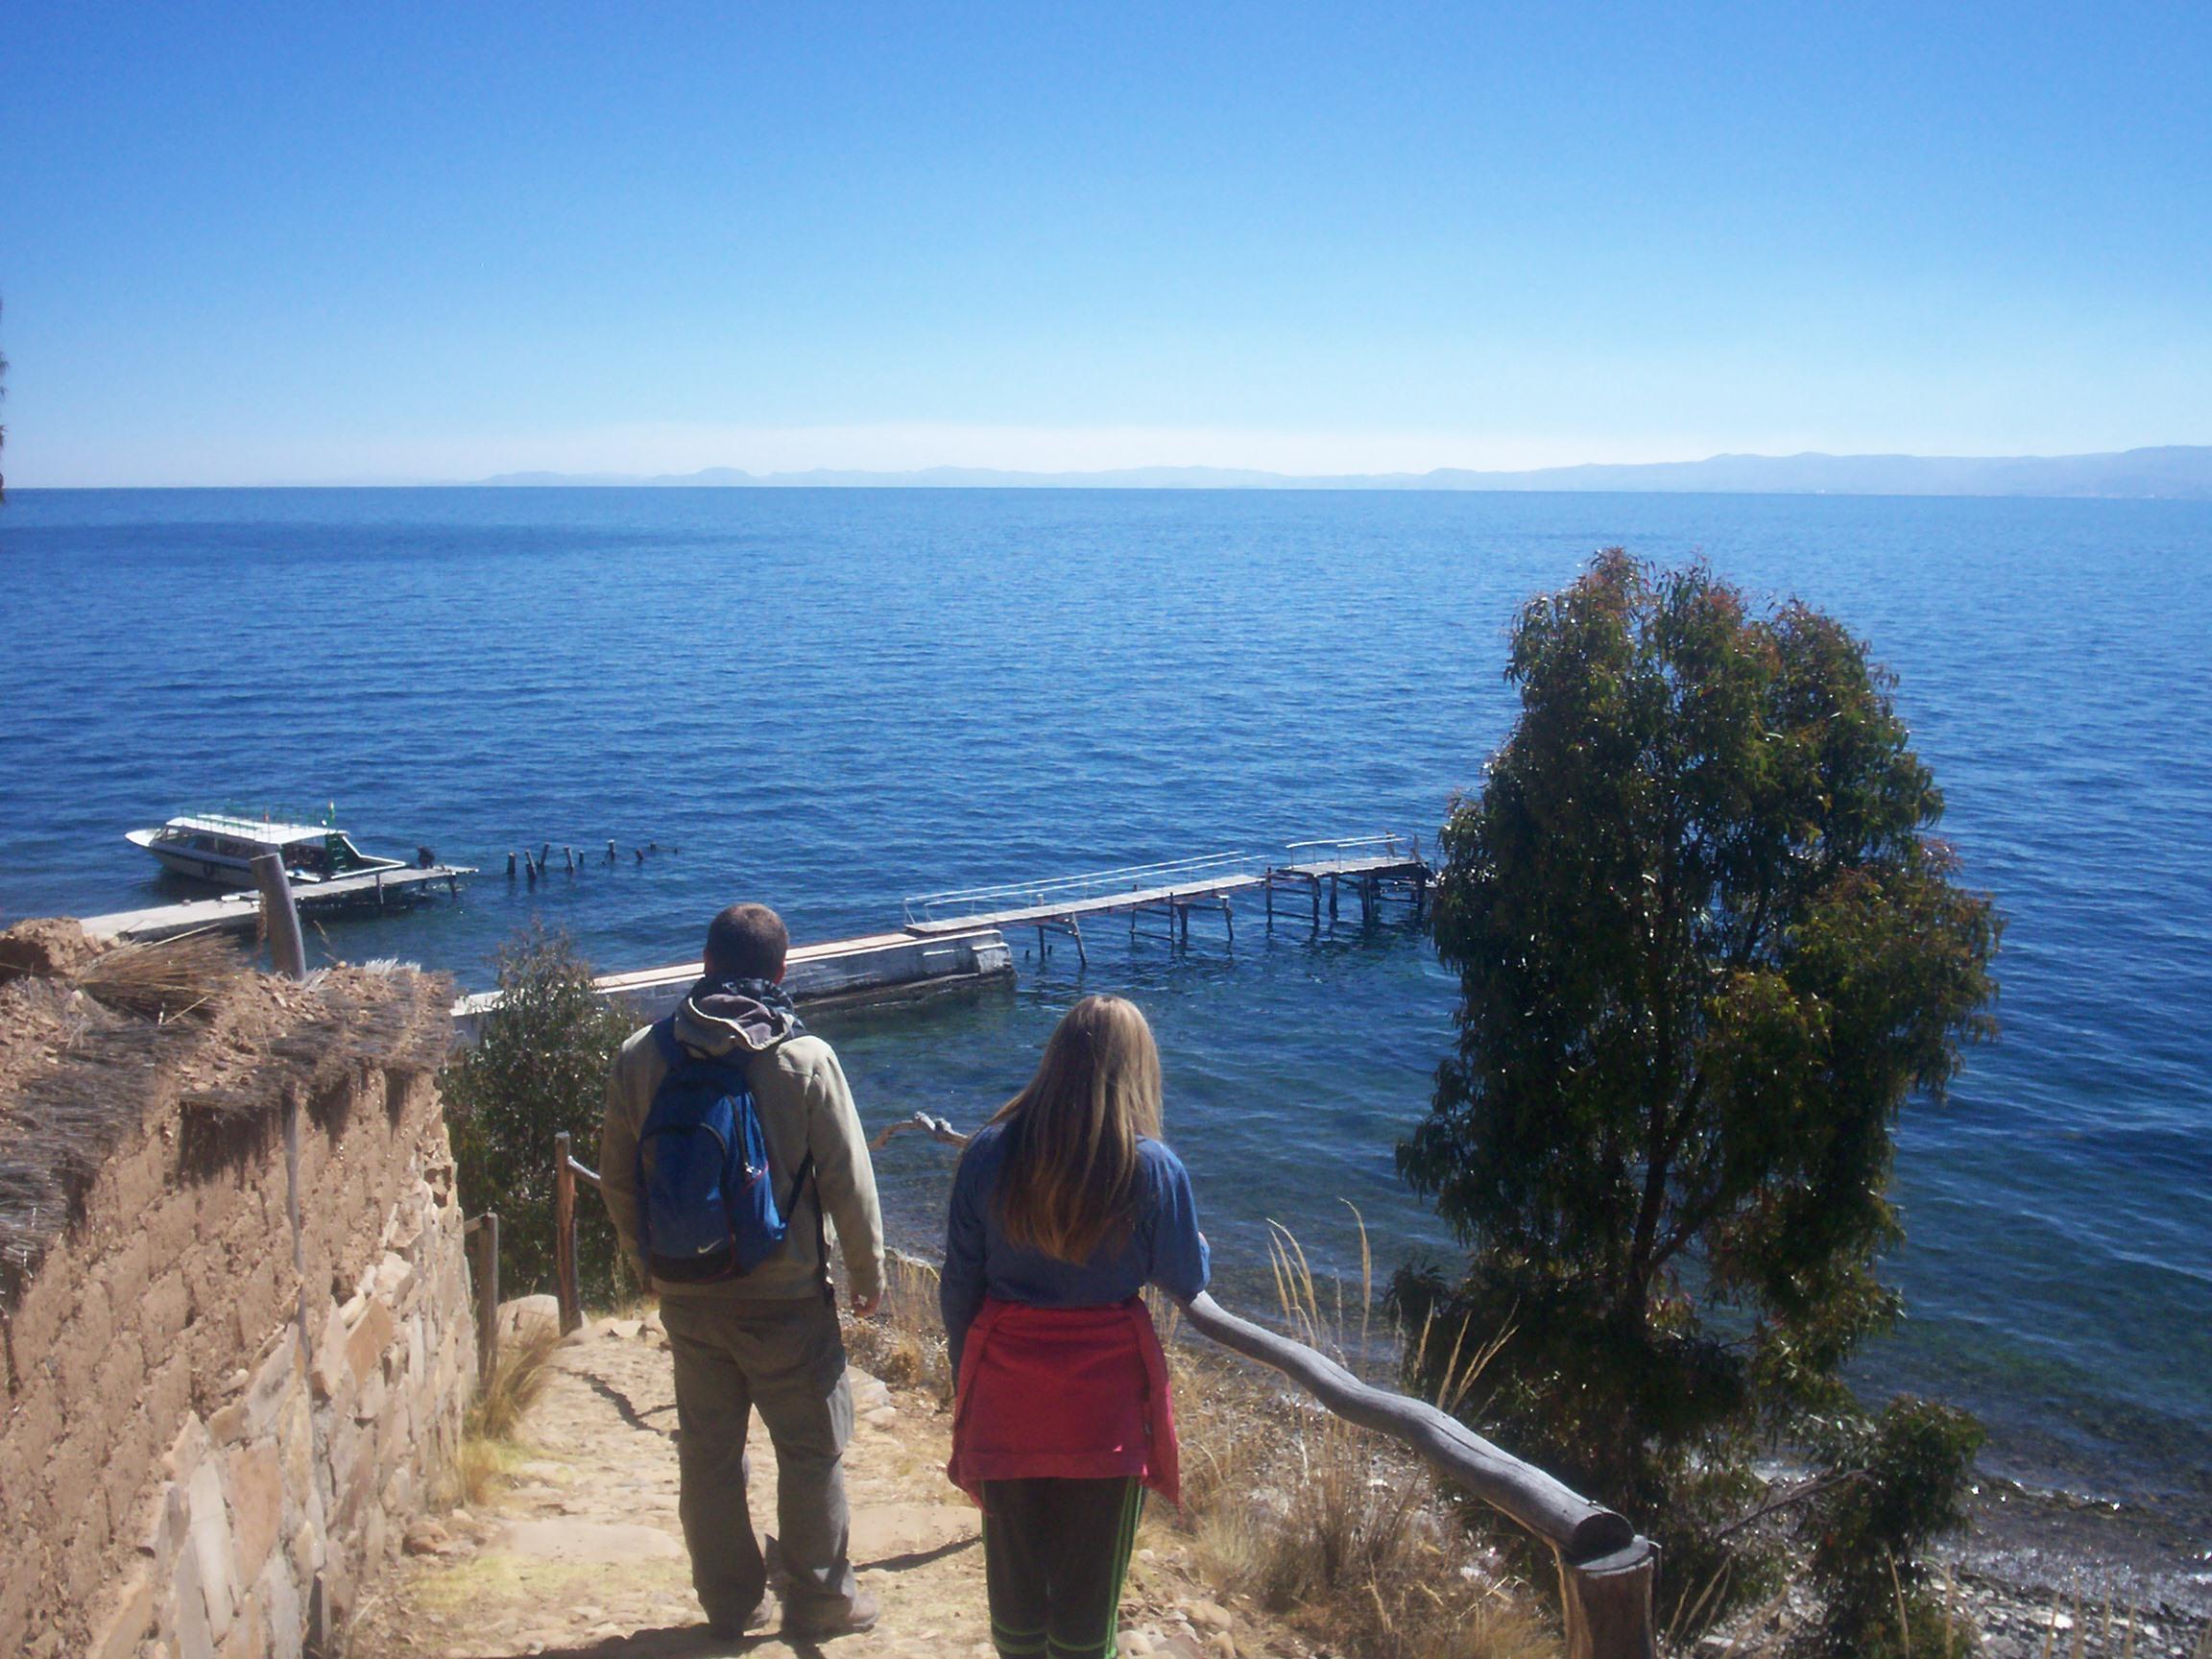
x,y
765,1339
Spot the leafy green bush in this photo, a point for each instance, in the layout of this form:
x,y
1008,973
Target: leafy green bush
x,y
1893,1484
539,1066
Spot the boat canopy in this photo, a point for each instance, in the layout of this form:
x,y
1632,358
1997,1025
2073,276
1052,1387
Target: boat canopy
x,y
265,831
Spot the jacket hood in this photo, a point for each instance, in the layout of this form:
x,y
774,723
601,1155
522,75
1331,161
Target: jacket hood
x,y
748,1016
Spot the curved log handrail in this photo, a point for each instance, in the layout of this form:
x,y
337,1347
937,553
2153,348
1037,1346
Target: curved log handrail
x,y
1582,1531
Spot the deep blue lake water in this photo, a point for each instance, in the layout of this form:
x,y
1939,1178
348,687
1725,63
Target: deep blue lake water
x,y
832,699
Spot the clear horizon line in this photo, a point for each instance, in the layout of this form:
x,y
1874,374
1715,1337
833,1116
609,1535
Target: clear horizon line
x,y
2192,464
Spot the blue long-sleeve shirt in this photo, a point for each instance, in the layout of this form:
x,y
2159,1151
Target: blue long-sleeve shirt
x,y
1163,1247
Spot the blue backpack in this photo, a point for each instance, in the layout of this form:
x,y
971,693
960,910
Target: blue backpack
x,y
707,1208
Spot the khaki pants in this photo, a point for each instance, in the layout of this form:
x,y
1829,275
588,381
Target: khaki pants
x,y
786,1360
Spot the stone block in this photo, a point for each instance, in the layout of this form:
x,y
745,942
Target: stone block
x,y
257,1491
119,1381
73,1475
211,1549
168,1393
369,1404
328,1373
228,1426
16,1588
251,1304
396,1280
85,1566
163,1309
373,1530
277,1596
124,1479
305,1551
187,1449
83,1344
248,1638
272,1380
129,1614
190,1636
128,1270
36,1424
296,1439
173,1226
167,1523
44,1304
366,1343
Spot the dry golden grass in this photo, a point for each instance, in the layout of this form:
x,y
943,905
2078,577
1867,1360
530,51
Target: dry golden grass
x,y
905,1342
495,1418
1340,1531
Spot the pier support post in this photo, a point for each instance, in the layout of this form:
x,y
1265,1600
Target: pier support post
x,y
1082,957
1317,881
1229,921
1332,898
281,915
1268,888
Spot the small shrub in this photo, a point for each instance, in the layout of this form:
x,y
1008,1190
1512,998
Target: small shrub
x,y
904,1343
539,1066
1896,1482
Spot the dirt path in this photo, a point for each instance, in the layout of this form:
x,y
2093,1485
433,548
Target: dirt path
x,y
582,1554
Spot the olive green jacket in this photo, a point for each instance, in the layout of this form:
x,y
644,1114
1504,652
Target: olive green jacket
x,y
799,1094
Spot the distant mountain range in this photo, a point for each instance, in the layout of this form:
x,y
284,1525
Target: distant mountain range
x,y
2182,472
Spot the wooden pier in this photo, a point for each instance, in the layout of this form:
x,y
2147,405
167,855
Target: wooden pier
x,y
1305,876
370,890
875,968
955,939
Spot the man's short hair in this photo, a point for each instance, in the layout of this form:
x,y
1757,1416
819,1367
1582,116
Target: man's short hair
x,y
747,942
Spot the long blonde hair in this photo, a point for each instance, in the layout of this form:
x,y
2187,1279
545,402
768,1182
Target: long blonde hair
x,y
1069,1179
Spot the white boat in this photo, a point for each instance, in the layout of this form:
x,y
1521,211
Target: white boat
x,y
221,847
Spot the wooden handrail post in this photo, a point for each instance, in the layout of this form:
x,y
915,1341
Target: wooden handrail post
x,y
280,916
484,1249
565,1235
1609,1603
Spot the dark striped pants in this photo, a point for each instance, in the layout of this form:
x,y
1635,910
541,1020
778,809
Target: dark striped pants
x,y
1055,1555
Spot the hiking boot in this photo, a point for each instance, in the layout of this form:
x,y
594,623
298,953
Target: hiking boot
x,y
731,1629
857,1616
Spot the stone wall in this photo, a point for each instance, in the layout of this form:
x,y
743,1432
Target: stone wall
x,y
235,1372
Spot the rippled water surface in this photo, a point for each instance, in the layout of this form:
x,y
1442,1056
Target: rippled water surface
x,y
833,699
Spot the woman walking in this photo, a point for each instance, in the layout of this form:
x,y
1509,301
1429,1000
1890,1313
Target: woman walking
x,y
1065,1206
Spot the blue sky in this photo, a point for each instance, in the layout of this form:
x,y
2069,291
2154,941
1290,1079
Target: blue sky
x,y
245,244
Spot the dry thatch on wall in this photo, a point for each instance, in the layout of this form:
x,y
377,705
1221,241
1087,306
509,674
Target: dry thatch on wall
x,y
89,1055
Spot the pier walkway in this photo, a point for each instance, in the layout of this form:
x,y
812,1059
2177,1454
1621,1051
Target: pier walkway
x,y
1307,873
370,890
954,939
